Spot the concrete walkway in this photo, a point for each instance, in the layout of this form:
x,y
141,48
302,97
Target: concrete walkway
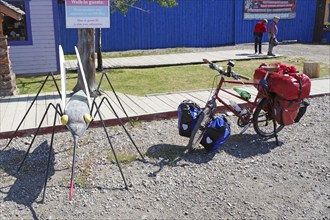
x,y
172,59
150,107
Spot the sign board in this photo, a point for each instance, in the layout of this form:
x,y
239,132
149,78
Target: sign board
x,y
260,9
87,13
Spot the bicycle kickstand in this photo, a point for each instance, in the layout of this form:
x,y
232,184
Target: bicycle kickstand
x,y
275,133
245,128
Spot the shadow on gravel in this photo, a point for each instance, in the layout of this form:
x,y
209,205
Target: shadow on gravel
x,y
249,145
239,145
30,179
170,155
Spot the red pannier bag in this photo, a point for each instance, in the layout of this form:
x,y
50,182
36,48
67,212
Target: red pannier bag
x,y
285,111
289,86
285,82
260,73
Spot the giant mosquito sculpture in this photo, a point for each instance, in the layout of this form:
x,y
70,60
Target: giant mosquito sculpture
x,y
76,115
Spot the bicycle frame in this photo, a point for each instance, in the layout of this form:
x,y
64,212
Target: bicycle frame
x,y
250,105
263,103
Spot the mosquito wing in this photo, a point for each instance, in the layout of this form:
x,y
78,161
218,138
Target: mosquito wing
x,y
83,76
63,76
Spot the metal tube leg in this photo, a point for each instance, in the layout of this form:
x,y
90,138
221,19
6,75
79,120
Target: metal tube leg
x,y
122,107
35,134
122,124
49,155
113,151
98,90
35,98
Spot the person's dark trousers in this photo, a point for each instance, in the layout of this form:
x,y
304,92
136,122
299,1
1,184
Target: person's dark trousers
x,y
257,41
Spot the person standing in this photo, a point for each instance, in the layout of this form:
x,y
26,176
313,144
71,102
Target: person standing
x,y
272,32
259,29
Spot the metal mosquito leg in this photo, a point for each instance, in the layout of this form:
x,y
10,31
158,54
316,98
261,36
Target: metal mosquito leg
x,y
121,123
57,88
98,108
97,89
35,134
113,150
75,143
49,154
35,98
114,92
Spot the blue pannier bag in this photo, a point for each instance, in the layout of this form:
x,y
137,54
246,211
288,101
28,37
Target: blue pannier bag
x,y
188,112
216,133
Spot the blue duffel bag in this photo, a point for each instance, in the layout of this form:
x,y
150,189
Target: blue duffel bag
x,y
188,112
216,133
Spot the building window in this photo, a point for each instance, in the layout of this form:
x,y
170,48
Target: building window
x,y
18,32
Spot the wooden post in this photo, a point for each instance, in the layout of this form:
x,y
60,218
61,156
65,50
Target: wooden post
x,y
319,16
1,20
312,70
99,51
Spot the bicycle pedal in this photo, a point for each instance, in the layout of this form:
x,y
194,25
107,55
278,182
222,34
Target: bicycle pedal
x,y
245,128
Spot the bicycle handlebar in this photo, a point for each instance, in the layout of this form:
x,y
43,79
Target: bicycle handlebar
x,y
241,76
228,73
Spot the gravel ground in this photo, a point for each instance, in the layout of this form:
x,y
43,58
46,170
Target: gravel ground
x,y
247,178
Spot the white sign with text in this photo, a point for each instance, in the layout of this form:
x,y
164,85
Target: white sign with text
x,y
87,13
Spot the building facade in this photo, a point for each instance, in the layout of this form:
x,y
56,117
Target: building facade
x,y
33,40
193,23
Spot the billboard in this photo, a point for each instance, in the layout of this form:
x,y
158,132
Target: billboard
x,y
87,13
260,9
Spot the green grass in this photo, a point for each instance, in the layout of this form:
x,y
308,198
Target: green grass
x,y
81,181
134,53
162,79
123,157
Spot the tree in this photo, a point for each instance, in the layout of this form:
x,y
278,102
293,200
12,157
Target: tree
x,y
86,42
86,50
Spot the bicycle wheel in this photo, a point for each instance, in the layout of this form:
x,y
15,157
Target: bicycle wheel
x,y
199,129
263,120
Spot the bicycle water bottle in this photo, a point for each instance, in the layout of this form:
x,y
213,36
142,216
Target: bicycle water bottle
x,y
235,106
244,94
